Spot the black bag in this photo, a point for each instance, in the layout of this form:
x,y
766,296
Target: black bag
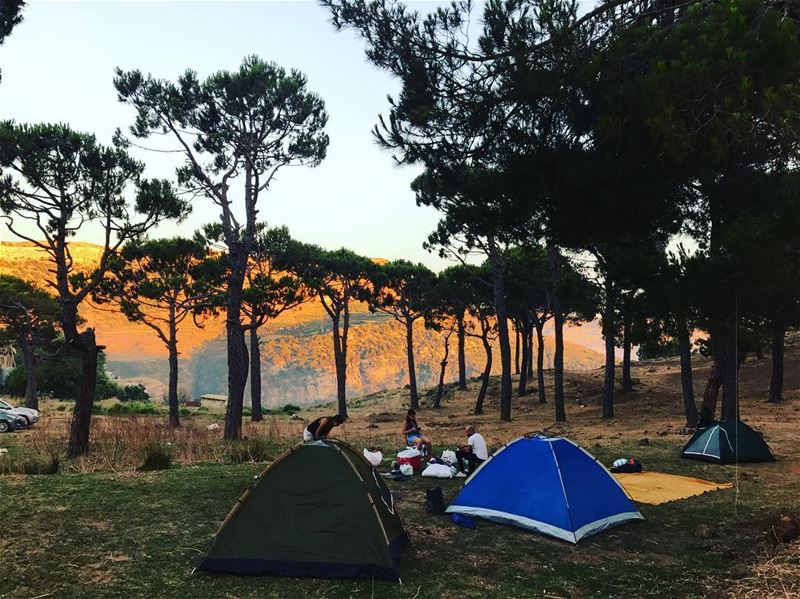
x,y
434,501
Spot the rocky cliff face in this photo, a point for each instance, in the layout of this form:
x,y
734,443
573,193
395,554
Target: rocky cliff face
x,y
297,354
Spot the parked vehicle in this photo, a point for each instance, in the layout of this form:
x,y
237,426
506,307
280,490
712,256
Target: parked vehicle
x,y
30,415
11,422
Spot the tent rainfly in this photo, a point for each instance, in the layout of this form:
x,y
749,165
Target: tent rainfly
x,y
319,510
548,485
727,442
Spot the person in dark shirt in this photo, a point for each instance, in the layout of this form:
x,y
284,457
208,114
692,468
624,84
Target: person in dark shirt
x,y
321,427
413,433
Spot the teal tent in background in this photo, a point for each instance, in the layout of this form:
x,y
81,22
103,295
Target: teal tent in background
x,y
319,510
727,442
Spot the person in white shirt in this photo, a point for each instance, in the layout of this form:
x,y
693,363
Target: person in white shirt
x,y
474,452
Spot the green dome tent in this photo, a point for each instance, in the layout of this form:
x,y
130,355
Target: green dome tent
x,y
319,510
718,443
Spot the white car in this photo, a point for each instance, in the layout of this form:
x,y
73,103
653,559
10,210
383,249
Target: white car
x,y
30,415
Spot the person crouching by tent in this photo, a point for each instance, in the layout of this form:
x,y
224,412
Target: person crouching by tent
x,y
474,452
413,433
321,427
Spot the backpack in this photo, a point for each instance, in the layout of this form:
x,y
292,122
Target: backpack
x,y
434,501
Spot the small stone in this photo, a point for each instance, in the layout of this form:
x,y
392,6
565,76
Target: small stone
x,y
644,442
372,426
704,531
740,571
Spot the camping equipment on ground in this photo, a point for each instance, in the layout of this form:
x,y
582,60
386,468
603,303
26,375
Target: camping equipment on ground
x,y
449,456
626,465
319,510
727,442
407,469
373,457
545,484
410,456
439,471
434,501
656,488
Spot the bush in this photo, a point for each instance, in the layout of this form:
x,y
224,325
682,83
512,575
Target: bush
x,y
260,449
133,407
290,408
156,456
658,348
131,393
185,412
61,378
32,466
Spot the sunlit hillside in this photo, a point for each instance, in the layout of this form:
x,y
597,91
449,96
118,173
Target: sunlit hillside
x,y
297,355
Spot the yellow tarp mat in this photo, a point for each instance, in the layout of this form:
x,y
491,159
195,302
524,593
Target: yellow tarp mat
x,y
656,488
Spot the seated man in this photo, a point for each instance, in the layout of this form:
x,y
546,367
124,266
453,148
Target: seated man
x,y
321,427
474,452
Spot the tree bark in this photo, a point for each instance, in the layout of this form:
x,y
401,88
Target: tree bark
x,y
236,345
687,385
627,382
462,361
340,357
256,411
540,362
78,443
498,276
530,350
440,389
558,322
487,370
172,387
711,392
776,381
608,335
516,350
522,335
29,359
412,373
724,348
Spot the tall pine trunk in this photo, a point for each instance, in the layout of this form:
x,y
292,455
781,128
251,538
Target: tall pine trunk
x,y
540,362
256,411
487,370
340,361
558,322
516,350
412,373
462,360
78,443
776,381
236,345
530,351
172,386
498,276
711,391
608,335
687,384
522,334
440,389
627,382
29,359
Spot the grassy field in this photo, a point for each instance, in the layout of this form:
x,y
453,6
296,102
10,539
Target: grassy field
x,y
103,529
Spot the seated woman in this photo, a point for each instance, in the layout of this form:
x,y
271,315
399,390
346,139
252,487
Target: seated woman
x,y
413,434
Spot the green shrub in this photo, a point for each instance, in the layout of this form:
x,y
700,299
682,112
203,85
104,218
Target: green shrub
x,y
133,407
131,393
156,456
247,412
31,466
260,449
185,412
290,408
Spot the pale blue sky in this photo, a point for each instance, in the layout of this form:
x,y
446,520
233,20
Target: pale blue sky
x,y
58,66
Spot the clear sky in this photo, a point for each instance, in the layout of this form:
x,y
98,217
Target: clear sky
x,y
57,66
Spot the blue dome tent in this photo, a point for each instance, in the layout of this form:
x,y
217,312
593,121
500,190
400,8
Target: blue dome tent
x,y
548,485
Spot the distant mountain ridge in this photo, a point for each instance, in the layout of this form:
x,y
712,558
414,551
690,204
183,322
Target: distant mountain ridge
x,y
297,354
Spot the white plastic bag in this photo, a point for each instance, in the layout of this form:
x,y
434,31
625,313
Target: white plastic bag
x,y
449,456
407,469
438,471
373,457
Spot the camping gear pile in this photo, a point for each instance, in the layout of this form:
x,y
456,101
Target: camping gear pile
x,y
410,456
